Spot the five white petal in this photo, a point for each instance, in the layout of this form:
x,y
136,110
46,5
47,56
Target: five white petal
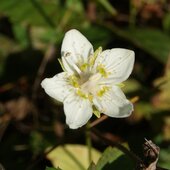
x,y
114,103
117,62
77,110
77,47
57,86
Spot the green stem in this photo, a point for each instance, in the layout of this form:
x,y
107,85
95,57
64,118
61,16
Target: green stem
x,y
107,5
133,13
88,142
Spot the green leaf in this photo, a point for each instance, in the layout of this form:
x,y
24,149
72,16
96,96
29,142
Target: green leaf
x,y
109,155
72,157
51,168
21,35
113,158
34,12
153,41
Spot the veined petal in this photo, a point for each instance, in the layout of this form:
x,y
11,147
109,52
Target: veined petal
x,y
77,110
76,48
114,103
117,64
58,86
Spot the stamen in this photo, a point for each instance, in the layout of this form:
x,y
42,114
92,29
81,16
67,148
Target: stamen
x,y
81,94
94,56
84,67
61,64
74,81
102,91
71,64
102,70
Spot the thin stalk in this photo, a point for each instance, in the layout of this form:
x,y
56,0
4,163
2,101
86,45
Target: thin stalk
x,y
108,6
88,142
133,13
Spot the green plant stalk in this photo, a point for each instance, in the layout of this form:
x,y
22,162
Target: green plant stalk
x,y
133,13
106,4
88,142
64,20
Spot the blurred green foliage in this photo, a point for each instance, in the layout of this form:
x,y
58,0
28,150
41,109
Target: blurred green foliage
x,y
113,158
29,28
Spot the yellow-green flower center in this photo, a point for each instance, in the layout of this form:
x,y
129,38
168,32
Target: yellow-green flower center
x,y
87,82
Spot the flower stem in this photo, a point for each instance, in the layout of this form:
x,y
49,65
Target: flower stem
x,y
88,142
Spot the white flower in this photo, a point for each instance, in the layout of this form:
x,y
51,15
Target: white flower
x,y
91,81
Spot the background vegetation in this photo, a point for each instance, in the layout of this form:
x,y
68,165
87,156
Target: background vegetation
x,y
31,32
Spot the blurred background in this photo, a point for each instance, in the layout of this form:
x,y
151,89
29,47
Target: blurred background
x,y
31,33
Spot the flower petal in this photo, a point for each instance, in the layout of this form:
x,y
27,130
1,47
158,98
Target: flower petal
x,y
58,86
77,110
117,62
75,48
114,103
